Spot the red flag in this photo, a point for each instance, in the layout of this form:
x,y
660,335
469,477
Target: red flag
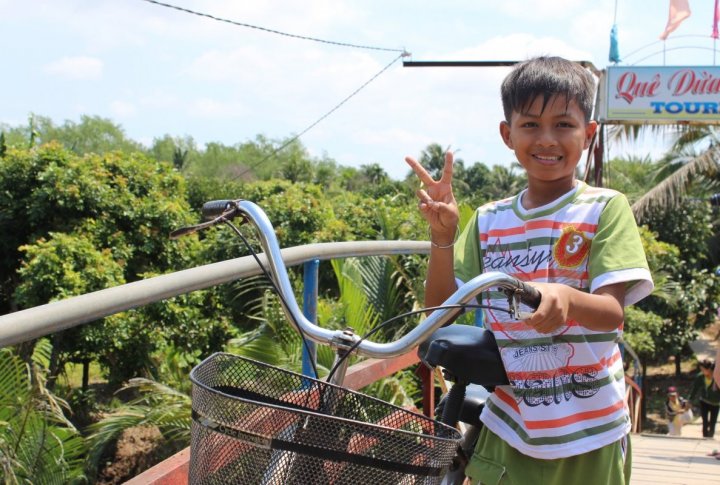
x,y
679,11
716,17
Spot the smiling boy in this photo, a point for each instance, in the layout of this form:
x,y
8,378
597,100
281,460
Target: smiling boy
x,y
563,418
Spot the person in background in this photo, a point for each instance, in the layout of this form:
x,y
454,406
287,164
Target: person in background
x,y
716,370
679,411
706,390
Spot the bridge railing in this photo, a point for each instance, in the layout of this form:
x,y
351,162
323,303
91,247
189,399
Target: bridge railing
x,y
53,317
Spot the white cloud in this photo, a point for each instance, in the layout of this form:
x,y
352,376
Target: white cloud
x,y
122,109
76,68
520,46
211,108
540,9
230,65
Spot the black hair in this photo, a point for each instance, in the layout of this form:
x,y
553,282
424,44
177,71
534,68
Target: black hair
x,y
547,77
707,364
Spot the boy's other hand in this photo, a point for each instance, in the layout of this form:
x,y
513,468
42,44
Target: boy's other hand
x,y
437,202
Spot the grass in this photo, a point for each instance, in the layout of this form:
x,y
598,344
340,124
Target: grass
x,y
72,377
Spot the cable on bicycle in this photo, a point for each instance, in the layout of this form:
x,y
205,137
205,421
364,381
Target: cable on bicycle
x,y
277,290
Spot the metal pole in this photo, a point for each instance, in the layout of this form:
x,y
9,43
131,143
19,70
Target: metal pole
x,y
310,294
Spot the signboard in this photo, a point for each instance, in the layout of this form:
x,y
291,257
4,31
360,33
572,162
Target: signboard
x,y
647,94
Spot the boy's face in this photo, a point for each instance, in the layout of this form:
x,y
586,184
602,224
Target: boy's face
x,y
549,143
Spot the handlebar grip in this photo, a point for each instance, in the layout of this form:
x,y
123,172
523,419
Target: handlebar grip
x,y
212,209
529,295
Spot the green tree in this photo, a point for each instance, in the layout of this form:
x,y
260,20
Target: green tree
x,y
670,196
94,222
374,173
92,134
179,151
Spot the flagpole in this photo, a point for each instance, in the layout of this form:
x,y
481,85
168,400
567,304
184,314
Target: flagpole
x,y
715,34
615,16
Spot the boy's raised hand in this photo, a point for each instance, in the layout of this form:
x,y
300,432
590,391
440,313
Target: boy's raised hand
x,y
437,202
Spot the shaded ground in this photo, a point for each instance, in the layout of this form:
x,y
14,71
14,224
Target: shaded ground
x,y
137,450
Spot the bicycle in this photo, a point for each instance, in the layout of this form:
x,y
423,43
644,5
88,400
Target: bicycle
x,y
255,423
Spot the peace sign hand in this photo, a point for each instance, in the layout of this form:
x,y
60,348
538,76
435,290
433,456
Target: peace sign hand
x,y
437,202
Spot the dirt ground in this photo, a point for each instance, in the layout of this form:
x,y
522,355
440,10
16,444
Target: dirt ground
x,y
137,450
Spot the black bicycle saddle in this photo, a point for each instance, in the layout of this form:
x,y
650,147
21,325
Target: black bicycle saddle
x,y
469,353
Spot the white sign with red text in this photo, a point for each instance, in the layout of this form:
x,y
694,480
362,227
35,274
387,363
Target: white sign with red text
x,y
664,94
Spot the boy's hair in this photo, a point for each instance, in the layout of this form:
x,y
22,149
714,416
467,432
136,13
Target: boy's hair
x,y
547,77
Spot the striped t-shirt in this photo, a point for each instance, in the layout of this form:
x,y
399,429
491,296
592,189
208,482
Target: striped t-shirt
x,y
567,389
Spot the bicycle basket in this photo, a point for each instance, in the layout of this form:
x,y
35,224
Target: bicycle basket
x,y
257,424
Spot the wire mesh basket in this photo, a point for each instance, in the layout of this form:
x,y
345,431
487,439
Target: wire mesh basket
x,y
257,424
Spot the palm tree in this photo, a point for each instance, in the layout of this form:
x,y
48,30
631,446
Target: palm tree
x,y
694,157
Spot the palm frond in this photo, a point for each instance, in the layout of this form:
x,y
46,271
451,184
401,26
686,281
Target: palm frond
x,y
668,192
357,313
37,443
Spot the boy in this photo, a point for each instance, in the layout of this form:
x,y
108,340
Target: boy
x,y
563,419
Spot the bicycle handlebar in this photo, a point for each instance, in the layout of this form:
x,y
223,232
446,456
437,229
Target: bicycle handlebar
x,y
252,212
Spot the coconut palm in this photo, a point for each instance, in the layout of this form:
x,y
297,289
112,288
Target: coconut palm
x,y
693,157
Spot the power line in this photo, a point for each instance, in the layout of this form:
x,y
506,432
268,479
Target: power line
x,y
287,143
271,31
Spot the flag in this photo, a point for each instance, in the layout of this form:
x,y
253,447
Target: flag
x,y
716,17
614,49
679,11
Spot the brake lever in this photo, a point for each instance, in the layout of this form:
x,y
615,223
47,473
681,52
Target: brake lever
x,y
514,305
224,217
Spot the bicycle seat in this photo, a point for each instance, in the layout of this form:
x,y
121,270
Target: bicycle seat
x,y
469,353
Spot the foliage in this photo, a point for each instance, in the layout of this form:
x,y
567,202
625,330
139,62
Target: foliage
x,y
92,222
670,198
684,299
180,151
37,443
634,177
688,226
642,331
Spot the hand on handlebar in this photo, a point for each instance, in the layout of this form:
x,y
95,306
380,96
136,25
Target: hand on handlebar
x,y
553,310
437,202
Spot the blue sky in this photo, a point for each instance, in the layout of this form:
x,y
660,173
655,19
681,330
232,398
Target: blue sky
x,y
157,71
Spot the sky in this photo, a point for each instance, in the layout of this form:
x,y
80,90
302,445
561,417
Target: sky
x,y
156,71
